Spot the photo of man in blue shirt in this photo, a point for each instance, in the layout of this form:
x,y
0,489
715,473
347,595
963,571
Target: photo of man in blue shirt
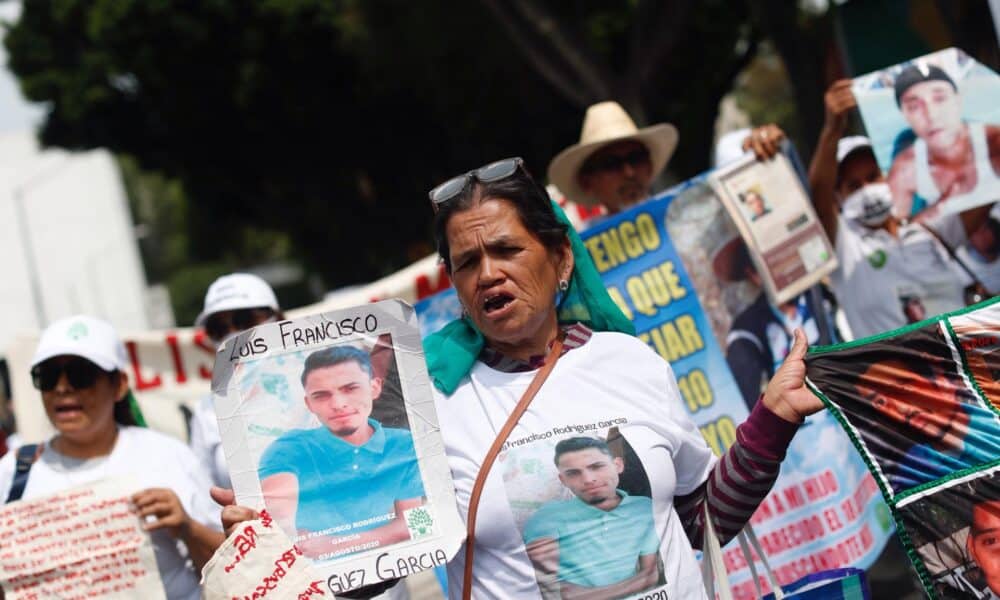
x,y
601,543
342,487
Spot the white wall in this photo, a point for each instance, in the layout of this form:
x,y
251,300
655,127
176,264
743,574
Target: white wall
x,y
77,224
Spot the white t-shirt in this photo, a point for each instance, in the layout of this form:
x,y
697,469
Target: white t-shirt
x,y
880,275
614,381
153,460
206,442
987,272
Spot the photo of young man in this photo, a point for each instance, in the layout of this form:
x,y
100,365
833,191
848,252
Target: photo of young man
x,y
951,158
956,532
341,487
908,401
601,543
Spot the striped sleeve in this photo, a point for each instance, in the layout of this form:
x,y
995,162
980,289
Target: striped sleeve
x,y
741,479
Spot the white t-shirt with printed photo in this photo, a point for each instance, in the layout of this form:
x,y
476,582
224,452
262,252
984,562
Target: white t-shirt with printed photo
x,y
152,460
613,383
879,275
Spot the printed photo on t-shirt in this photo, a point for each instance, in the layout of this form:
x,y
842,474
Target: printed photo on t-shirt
x,y
329,432
582,502
956,533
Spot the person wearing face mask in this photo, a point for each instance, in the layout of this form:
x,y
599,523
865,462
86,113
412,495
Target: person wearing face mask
x,y
891,272
233,304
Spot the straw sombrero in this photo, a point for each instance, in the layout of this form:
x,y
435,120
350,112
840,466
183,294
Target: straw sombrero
x,y
604,123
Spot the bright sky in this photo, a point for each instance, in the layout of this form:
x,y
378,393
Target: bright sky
x,y
16,114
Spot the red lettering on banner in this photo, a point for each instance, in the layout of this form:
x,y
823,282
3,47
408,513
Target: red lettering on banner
x,y
199,341
832,519
175,353
425,288
141,383
821,486
793,496
244,543
792,535
313,589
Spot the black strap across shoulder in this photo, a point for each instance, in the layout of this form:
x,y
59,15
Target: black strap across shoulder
x,y
26,457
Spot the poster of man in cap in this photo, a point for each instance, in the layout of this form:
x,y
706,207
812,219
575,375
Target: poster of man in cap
x,y
934,123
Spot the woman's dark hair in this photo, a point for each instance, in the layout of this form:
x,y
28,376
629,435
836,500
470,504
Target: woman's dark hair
x,y
123,408
530,199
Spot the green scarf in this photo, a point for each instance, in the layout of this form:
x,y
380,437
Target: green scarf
x,y
452,351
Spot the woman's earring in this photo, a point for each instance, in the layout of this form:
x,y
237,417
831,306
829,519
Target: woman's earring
x,y
563,285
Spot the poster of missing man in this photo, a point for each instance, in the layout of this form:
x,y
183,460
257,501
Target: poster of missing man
x,y
328,423
934,124
775,217
918,405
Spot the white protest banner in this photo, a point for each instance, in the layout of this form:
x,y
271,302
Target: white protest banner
x,y
83,542
259,561
328,423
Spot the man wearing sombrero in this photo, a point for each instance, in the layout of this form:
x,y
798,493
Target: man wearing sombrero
x,y
614,163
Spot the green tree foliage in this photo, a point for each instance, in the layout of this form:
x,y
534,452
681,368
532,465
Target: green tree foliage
x,y
329,119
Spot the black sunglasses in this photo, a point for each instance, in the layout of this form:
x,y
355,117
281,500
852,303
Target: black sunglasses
x,y
220,325
495,171
614,162
80,372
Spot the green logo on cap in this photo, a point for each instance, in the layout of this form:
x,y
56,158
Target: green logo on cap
x,y
77,331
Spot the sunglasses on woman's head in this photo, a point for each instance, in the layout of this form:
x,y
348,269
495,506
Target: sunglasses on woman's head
x,y
495,171
221,324
80,373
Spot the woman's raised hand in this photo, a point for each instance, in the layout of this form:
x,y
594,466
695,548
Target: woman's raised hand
x,y
787,395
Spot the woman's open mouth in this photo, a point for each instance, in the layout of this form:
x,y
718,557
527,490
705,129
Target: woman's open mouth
x,y
495,303
68,411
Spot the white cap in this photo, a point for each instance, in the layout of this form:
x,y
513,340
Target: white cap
x,y
849,144
236,291
87,337
730,147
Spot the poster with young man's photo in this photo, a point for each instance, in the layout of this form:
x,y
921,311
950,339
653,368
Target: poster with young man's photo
x,y
328,424
919,404
771,209
934,123
955,531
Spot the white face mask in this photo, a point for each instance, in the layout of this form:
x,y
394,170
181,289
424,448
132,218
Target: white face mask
x,y
870,206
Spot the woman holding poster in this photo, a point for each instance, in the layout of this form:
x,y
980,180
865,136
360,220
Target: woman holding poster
x,y
600,488
79,368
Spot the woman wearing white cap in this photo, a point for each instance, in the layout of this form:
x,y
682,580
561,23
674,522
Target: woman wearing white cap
x,y
79,367
233,303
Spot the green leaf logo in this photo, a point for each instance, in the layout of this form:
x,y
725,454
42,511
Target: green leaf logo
x,y
419,522
77,331
877,259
